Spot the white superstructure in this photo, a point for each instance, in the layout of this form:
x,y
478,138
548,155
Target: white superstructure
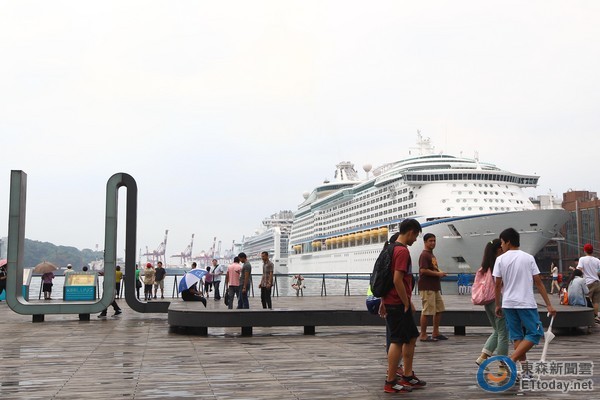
x,y
341,225
273,237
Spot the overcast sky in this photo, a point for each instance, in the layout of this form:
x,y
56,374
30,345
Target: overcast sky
x,y
225,112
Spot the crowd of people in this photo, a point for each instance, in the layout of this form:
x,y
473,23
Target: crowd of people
x,y
506,278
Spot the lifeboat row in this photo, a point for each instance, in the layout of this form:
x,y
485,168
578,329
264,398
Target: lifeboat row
x,y
364,235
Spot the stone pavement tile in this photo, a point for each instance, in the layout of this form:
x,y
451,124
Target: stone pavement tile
x,y
120,359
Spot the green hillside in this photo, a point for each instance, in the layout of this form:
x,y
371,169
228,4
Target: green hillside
x,y
36,252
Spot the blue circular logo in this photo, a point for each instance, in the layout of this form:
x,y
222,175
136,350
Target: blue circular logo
x,y
497,378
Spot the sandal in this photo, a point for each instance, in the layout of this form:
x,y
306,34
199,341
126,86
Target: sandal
x,y
429,339
440,337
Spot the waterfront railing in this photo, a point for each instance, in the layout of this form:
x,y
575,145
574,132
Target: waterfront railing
x,y
321,284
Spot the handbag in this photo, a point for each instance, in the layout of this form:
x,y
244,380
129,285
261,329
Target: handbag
x,y
483,291
226,298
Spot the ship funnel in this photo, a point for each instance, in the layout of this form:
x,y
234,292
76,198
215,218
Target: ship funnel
x,y
345,172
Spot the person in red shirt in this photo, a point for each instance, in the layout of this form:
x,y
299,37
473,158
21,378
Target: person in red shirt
x,y
399,312
430,289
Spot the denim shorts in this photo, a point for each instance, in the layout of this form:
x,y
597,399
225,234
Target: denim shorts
x,y
523,319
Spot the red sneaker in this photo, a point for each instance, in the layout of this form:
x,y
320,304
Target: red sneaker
x,y
395,387
412,381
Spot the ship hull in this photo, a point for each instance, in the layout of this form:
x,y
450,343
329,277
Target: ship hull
x,y
460,243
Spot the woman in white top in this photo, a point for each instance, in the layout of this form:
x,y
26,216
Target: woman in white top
x,y
554,270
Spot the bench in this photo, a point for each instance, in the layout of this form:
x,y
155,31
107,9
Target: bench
x,y
186,318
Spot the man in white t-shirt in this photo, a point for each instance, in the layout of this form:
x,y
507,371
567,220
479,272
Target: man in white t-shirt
x,y
517,272
590,266
217,271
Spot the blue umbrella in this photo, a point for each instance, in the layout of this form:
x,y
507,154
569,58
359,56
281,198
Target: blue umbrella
x,y
190,278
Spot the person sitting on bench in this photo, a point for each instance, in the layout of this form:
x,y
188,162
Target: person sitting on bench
x,y
192,294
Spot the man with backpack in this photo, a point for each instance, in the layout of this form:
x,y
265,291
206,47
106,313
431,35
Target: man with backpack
x,y
399,312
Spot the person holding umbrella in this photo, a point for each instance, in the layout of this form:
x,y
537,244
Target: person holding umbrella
x,y
46,269
192,294
47,284
188,285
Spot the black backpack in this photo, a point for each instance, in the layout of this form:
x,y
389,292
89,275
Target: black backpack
x,y
382,277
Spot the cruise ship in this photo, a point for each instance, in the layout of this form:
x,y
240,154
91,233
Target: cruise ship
x,y
272,237
341,225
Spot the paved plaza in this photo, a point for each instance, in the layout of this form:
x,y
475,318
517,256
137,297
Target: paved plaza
x,y
133,356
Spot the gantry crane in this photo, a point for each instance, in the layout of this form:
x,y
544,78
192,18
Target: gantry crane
x,y
186,255
159,254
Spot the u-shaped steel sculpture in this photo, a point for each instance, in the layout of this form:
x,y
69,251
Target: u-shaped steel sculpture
x,y
16,241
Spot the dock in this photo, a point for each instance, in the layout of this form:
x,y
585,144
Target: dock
x,y
134,356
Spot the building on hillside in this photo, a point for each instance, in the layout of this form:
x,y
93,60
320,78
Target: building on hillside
x,y
582,227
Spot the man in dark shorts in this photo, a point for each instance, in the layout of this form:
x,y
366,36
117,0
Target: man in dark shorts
x,y
159,280
399,310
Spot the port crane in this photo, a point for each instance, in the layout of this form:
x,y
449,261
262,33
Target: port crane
x,y
186,255
158,254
